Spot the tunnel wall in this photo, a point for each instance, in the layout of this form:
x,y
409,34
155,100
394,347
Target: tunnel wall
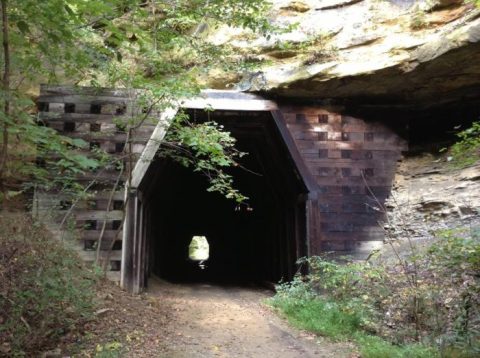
x,y
353,164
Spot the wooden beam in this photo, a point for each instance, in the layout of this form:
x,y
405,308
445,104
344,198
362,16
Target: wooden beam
x,y
307,177
152,146
137,252
229,100
126,280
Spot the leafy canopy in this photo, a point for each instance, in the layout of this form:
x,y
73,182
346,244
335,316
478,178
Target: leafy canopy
x,y
155,45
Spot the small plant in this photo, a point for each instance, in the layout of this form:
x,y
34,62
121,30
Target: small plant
x,y
109,350
418,20
467,150
316,47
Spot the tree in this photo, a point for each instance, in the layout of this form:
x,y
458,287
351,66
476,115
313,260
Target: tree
x,y
155,45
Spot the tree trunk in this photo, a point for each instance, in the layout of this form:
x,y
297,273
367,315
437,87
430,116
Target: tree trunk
x,y
6,90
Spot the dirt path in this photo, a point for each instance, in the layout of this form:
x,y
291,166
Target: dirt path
x,y
193,321
218,321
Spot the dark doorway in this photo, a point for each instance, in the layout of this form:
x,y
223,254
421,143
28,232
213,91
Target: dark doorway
x,y
247,244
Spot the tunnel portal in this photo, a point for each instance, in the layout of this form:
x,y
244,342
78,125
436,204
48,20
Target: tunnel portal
x,y
324,177
254,243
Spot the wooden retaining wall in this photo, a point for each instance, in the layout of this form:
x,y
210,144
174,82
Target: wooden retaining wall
x,y
353,163
96,116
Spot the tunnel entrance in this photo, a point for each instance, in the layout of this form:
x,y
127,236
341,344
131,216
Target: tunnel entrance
x,y
255,243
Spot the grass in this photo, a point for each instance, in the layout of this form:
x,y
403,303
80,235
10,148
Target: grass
x,y
376,347
318,316
325,318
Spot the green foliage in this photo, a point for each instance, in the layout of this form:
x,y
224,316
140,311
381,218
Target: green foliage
x,y
206,148
297,289
467,150
157,46
431,297
109,350
418,20
376,347
455,261
45,292
327,317
354,286
457,250
475,2
318,316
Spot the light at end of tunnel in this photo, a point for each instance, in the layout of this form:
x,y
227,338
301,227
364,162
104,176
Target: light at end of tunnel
x,y
199,250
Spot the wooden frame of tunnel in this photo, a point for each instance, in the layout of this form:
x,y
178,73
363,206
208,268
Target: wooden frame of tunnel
x,y
346,164
134,270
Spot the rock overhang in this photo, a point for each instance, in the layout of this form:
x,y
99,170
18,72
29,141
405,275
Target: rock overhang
x,y
367,56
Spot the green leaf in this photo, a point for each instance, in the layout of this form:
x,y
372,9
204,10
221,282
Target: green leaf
x,y
23,27
79,143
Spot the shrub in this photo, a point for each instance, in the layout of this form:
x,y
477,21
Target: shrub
x,y
467,150
45,292
425,305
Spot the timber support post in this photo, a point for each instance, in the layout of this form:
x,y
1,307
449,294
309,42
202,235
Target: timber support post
x,y
127,280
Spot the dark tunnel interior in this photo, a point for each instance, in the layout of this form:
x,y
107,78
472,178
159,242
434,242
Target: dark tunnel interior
x,y
248,244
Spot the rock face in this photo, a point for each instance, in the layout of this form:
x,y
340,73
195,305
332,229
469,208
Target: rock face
x,y
402,54
431,195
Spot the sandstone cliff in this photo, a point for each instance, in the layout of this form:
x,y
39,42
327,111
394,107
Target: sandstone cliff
x,y
397,54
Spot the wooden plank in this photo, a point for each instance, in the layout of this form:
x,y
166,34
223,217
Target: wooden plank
x,y
99,215
152,146
93,91
107,235
90,256
80,117
82,99
109,136
332,180
352,237
307,177
136,246
309,110
341,171
353,219
342,204
126,280
103,176
101,195
347,246
229,104
312,143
